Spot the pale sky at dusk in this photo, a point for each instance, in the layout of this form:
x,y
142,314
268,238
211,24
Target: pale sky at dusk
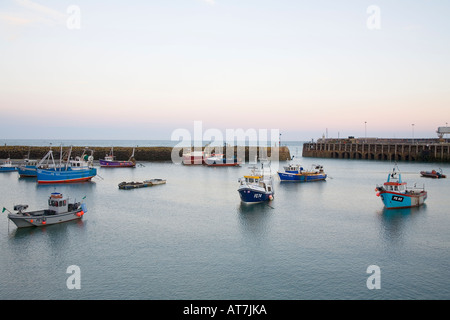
x,y
141,69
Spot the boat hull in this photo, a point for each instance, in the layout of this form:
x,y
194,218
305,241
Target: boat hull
x,y
44,220
194,160
249,195
298,177
8,169
28,171
222,163
394,200
432,175
116,164
65,176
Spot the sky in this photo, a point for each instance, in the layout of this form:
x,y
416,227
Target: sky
x,y
83,69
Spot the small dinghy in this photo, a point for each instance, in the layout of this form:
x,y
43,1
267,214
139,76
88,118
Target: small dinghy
x,y
146,183
433,174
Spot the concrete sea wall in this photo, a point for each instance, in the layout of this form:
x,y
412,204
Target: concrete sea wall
x,y
123,153
425,150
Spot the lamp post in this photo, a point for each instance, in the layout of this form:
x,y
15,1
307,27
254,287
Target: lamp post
x,y
365,130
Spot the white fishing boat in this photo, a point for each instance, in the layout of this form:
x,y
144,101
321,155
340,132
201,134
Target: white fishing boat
x,y
257,186
7,166
59,210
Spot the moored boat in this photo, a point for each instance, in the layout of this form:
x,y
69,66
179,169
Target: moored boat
x,y
296,173
111,162
256,187
194,157
146,183
219,160
70,170
28,168
7,166
433,174
59,210
395,193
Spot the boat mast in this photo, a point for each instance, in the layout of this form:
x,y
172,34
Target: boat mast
x,y
60,157
47,157
68,157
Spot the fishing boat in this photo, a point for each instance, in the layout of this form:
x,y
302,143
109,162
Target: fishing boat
x,y
219,160
28,168
68,170
59,210
257,186
295,172
395,193
194,157
433,174
146,183
111,162
7,166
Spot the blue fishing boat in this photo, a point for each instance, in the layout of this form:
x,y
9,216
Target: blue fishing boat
x,y
395,193
256,187
71,170
28,168
7,166
296,173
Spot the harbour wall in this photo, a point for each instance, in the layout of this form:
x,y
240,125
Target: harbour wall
x,y
424,150
140,153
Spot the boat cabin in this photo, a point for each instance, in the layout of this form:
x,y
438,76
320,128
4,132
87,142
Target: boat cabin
x,y
110,157
293,168
57,203
82,162
395,186
30,162
394,183
255,181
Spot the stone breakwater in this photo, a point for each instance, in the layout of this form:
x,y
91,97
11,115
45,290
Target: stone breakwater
x,y
423,150
124,153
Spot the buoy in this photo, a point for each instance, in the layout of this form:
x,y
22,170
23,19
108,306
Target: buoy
x,y
44,222
270,197
378,194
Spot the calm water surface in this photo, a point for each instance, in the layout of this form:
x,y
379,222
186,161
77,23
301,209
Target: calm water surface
x,y
193,239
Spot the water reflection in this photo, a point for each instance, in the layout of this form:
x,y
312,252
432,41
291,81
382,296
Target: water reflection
x,y
255,218
395,223
56,232
27,179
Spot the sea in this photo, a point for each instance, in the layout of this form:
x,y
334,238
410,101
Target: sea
x,y
193,239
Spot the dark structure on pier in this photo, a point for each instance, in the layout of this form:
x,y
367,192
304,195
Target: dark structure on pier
x,y
380,149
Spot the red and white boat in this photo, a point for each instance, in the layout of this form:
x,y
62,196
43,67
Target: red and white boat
x,y
194,157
